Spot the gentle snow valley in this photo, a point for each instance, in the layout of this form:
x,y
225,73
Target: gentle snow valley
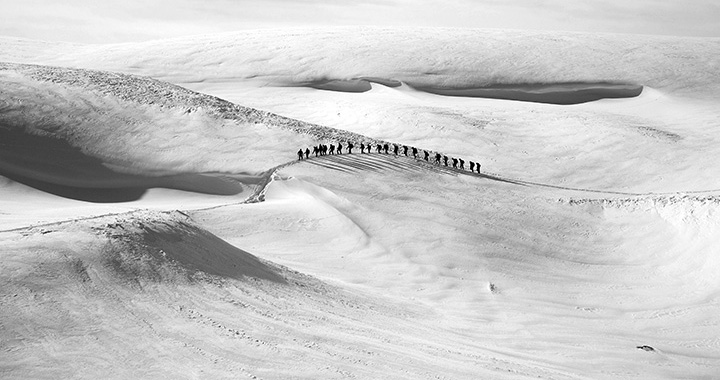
x,y
155,221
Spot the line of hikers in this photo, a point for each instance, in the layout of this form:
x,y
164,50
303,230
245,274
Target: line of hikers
x,y
323,150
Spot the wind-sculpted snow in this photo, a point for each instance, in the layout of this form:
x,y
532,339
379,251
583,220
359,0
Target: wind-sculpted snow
x,y
443,59
69,131
585,248
148,91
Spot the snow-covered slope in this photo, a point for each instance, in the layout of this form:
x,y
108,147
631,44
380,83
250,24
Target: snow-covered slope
x,y
587,247
432,57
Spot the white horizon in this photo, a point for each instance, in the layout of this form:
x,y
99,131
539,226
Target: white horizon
x,y
84,21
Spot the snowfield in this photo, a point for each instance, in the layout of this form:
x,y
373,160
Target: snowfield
x,y
155,220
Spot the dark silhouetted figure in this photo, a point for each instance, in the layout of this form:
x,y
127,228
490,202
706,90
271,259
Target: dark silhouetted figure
x,y
405,148
414,152
378,148
339,148
462,164
307,153
316,150
445,158
385,148
477,166
300,154
427,155
454,163
350,146
362,148
437,158
332,148
472,166
396,149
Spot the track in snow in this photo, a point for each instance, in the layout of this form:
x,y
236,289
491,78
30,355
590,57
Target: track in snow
x,y
351,163
378,162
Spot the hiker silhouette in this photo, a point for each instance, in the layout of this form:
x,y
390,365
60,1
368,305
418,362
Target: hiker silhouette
x,y
445,158
378,148
350,146
385,148
339,148
462,164
307,153
362,148
396,149
405,148
332,148
472,166
300,154
454,163
437,158
414,152
427,155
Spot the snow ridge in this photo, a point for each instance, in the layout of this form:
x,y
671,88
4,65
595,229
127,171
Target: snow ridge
x,y
145,90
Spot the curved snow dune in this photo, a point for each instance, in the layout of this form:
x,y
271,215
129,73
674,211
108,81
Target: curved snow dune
x,y
577,287
53,165
73,132
421,57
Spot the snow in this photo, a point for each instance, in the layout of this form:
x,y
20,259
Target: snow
x,y
590,233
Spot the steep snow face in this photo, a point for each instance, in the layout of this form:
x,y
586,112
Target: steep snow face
x,y
585,248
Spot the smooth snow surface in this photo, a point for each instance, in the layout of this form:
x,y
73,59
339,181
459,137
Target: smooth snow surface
x,y
149,231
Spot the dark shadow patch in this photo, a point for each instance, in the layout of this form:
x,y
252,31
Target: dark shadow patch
x,y
385,82
355,85
549,93
54,166
94,195
176,251
351,85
